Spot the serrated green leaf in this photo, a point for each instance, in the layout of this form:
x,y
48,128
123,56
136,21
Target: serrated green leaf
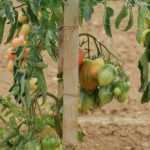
x,y
87,11
2,26
123,14
107,23
142,11
12,32
144,69
34,5
31,15
130,22
146,95
10,12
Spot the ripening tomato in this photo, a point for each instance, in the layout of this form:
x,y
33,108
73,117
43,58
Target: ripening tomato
x,y
25,43
81,56
22,18
33,84
106,75
10,65
26,52
25,30
10,54
19,41
96,66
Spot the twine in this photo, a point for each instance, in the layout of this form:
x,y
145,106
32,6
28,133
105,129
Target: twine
x,y
68,27
71,94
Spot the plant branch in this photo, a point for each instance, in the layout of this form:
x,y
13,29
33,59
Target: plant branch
x,y
16,7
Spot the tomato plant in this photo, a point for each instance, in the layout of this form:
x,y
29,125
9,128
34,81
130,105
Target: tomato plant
x,y
34,28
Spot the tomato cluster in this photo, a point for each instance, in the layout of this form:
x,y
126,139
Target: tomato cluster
x,y
21,41
100,82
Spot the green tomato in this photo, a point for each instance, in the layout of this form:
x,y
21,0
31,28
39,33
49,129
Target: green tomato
x,y
145,39
123,97
117,91
50,143
147,22
126,86
87,101
105,95
32,145
107,75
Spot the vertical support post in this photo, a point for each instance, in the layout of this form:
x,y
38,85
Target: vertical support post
x,y
60,63
70,70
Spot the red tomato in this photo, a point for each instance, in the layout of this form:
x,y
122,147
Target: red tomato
x,y
10,54
10,65
19,41
26,52
81,56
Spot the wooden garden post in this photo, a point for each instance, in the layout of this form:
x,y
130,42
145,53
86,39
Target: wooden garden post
x,y
70,70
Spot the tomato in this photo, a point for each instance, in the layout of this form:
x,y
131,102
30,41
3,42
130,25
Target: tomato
x,y
87,81
10,65
19,41
123,98
117,91
49,143
145,39
124,86
147,22
26,52
105,95
22,18
106,75
33,84
96,67
81,57
25,29
11,55
87,101
32,145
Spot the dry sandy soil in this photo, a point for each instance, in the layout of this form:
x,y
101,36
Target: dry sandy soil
x,y
115,126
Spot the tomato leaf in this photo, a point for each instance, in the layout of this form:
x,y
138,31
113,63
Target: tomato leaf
x,y
12,32
2,26
142,11
144,69
87,11
10,12
123,14
106,19
131,21
146,95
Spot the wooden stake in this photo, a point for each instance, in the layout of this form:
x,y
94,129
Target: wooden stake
x,y
60,63
71,81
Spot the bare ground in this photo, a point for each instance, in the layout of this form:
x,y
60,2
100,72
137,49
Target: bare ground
x,y
115,126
